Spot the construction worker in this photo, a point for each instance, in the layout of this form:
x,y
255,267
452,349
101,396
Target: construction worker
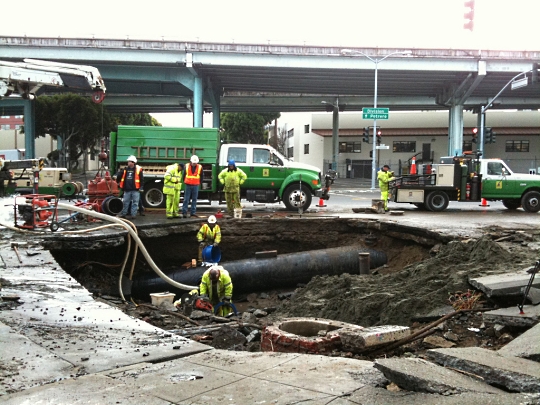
x,y
385,176
131,183
193,177
216,284
172,183
232,178
209,234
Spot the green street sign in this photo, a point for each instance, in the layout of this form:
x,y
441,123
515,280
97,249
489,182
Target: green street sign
x,y
375,113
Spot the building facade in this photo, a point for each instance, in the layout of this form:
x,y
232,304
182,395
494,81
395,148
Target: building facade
x,y
423,135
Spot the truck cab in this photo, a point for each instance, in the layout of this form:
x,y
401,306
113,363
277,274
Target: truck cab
x,y
499,182
272,177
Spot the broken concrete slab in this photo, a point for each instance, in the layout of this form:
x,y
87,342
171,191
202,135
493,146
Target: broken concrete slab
x,y
513,373
360,339
21,362
381,396
422,376
500,285
90,389
526,346
533,296
512,317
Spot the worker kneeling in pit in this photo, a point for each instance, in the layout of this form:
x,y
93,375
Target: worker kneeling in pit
x,y
209,234
216,284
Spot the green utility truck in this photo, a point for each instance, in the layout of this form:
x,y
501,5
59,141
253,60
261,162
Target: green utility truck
x,y
270,176
467,178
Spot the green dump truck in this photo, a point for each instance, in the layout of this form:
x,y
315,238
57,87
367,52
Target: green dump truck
x,y
271,176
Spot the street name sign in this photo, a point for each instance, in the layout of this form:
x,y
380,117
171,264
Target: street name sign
x,y
375,113
382,147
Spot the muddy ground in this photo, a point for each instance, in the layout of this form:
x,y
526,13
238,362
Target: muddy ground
x,y
418,280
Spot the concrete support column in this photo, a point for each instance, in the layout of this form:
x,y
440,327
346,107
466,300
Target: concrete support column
x,y
455,130
335,138
29,129
198,103
216,119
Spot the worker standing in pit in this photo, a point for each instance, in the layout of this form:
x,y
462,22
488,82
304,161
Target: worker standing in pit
x,y
131,181
385,176
232,178
172,183
209,234
216,284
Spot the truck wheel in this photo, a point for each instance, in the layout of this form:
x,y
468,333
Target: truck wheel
x,y
512,204
437,201
531,201
153,197
295,198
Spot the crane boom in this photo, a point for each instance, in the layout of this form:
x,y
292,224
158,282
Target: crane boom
x,y
26,78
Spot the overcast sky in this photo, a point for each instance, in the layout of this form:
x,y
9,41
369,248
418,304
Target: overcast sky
x,y
498,24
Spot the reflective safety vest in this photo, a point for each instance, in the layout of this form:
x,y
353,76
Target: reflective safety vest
x,y
224,285
193,178
137,179
205,233
172,182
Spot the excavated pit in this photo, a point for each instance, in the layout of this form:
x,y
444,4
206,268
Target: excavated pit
x,y
424,268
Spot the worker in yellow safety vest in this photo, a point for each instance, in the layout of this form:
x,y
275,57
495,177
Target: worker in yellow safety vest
x,y
216,284
385,176
209,234
232,178
172,183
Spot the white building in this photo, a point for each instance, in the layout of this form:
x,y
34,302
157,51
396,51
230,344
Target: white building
x,y
423,135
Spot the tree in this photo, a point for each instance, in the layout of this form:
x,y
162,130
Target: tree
x,y
282,141
80,124
246,127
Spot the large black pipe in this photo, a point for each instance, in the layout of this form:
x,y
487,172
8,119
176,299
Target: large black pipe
x,y
282,271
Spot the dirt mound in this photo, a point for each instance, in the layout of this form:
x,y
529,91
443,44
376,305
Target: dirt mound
x,y
415,290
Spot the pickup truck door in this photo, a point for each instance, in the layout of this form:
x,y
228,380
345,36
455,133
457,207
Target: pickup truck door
x,y
266,171
256,163
497,181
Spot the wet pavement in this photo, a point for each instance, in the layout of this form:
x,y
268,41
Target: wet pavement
x,y
60,346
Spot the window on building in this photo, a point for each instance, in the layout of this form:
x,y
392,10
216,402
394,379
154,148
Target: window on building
x,y
306,149
237,154
5,116
290,152
404,146
5,126
290,133
306,129
517,146
350,147
467,145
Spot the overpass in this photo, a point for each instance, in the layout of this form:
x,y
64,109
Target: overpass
x,y
176,76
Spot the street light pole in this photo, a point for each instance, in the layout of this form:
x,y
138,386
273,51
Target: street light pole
x,y
376,62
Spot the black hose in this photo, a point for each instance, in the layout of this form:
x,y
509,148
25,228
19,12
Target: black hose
x,y
283,271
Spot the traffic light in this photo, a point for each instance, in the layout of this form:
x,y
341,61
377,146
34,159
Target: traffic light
x,y
366,135
379,137
490,135
474,135
469,15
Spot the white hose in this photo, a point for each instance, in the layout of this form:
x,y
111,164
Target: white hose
x,y
133,235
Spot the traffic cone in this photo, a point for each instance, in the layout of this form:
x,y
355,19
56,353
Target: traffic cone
x,y
413,166
484,203
321,203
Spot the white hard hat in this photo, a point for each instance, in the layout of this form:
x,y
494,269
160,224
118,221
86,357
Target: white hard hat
x,y
194,159
212,219
132,159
